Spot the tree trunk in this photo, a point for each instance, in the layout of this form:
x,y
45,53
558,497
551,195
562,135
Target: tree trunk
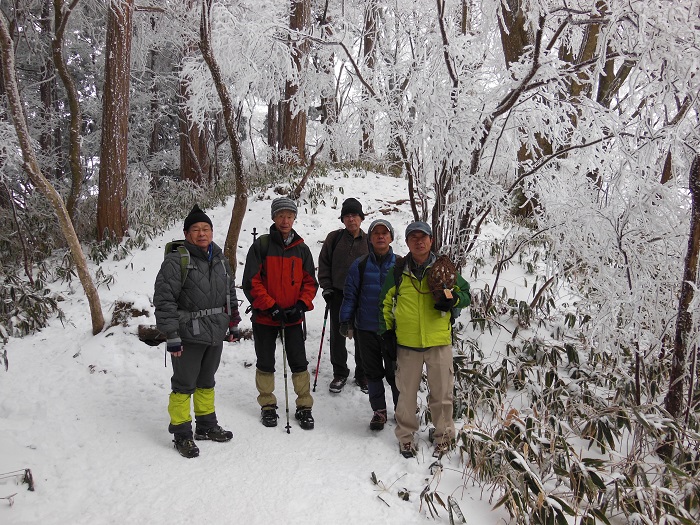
x,y
240,202
465,25
515,37
155,143
50,139
369,42
684,321
31,166
195,164
111,201
272,128
61,14
294,133
329,102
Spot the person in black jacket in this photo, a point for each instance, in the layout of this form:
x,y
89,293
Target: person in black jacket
x,y
197,314
359,317
339,250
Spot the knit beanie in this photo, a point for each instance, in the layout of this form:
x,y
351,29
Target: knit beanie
x,y
351,206
282,203
384,223
195,216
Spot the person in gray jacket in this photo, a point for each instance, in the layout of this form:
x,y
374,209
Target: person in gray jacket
x,y
338,252
196,308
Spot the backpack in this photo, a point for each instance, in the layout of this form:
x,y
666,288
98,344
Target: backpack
x,y
179,247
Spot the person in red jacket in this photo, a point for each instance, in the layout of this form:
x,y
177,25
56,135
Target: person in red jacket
x,y
280,285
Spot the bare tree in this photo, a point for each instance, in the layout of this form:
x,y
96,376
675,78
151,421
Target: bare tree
x,y
241,197
61,14
31,167
111,202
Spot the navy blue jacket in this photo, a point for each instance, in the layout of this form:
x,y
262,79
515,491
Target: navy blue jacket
x,y
363,305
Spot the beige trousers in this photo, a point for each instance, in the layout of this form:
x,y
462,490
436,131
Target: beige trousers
x,y
409,369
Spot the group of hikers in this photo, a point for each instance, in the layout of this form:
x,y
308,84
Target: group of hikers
x,y
382,302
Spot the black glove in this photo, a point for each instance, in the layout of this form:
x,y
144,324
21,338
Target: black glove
x,y
277,313
328,295
234,334
295,313
174,346
346,330
389,343
445,304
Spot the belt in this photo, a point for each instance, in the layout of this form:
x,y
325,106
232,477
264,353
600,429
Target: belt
x,y
203,313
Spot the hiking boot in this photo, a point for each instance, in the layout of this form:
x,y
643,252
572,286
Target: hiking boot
x,y
362,383
269,415
185,446
337,384
214,434
306,420
407,450
378,420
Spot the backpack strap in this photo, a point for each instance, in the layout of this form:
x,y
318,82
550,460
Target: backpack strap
x,y
264,244
398,272
184,262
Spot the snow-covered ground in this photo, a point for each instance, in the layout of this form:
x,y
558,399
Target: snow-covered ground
x,y
88,415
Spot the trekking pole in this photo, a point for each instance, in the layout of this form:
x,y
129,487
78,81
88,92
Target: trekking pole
x,y
286,388
323,334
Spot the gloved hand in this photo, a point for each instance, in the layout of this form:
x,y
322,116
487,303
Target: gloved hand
x,y
445,303
234,334
174,347
328,295
346,330
277,313
389,343
295,313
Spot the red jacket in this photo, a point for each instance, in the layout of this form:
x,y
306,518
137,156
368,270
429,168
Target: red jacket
x,y
283,275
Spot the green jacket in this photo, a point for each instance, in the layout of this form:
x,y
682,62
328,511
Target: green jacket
x,y
410,310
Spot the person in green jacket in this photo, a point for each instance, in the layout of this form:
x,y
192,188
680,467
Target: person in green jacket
x,y
419,329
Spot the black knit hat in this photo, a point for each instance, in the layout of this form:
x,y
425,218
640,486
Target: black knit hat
x,y
351,206
195,216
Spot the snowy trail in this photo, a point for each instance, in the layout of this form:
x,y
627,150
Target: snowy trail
x,y
88,416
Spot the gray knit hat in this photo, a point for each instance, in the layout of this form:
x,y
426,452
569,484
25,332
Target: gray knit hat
x,y
282,203
384,223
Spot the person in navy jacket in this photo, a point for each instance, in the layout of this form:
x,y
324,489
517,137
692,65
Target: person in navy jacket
x,y
359,316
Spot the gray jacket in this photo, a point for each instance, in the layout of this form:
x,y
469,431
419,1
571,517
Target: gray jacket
x,y
195,311
334,262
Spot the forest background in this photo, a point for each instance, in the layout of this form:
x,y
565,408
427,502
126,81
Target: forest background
x,y
573,126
